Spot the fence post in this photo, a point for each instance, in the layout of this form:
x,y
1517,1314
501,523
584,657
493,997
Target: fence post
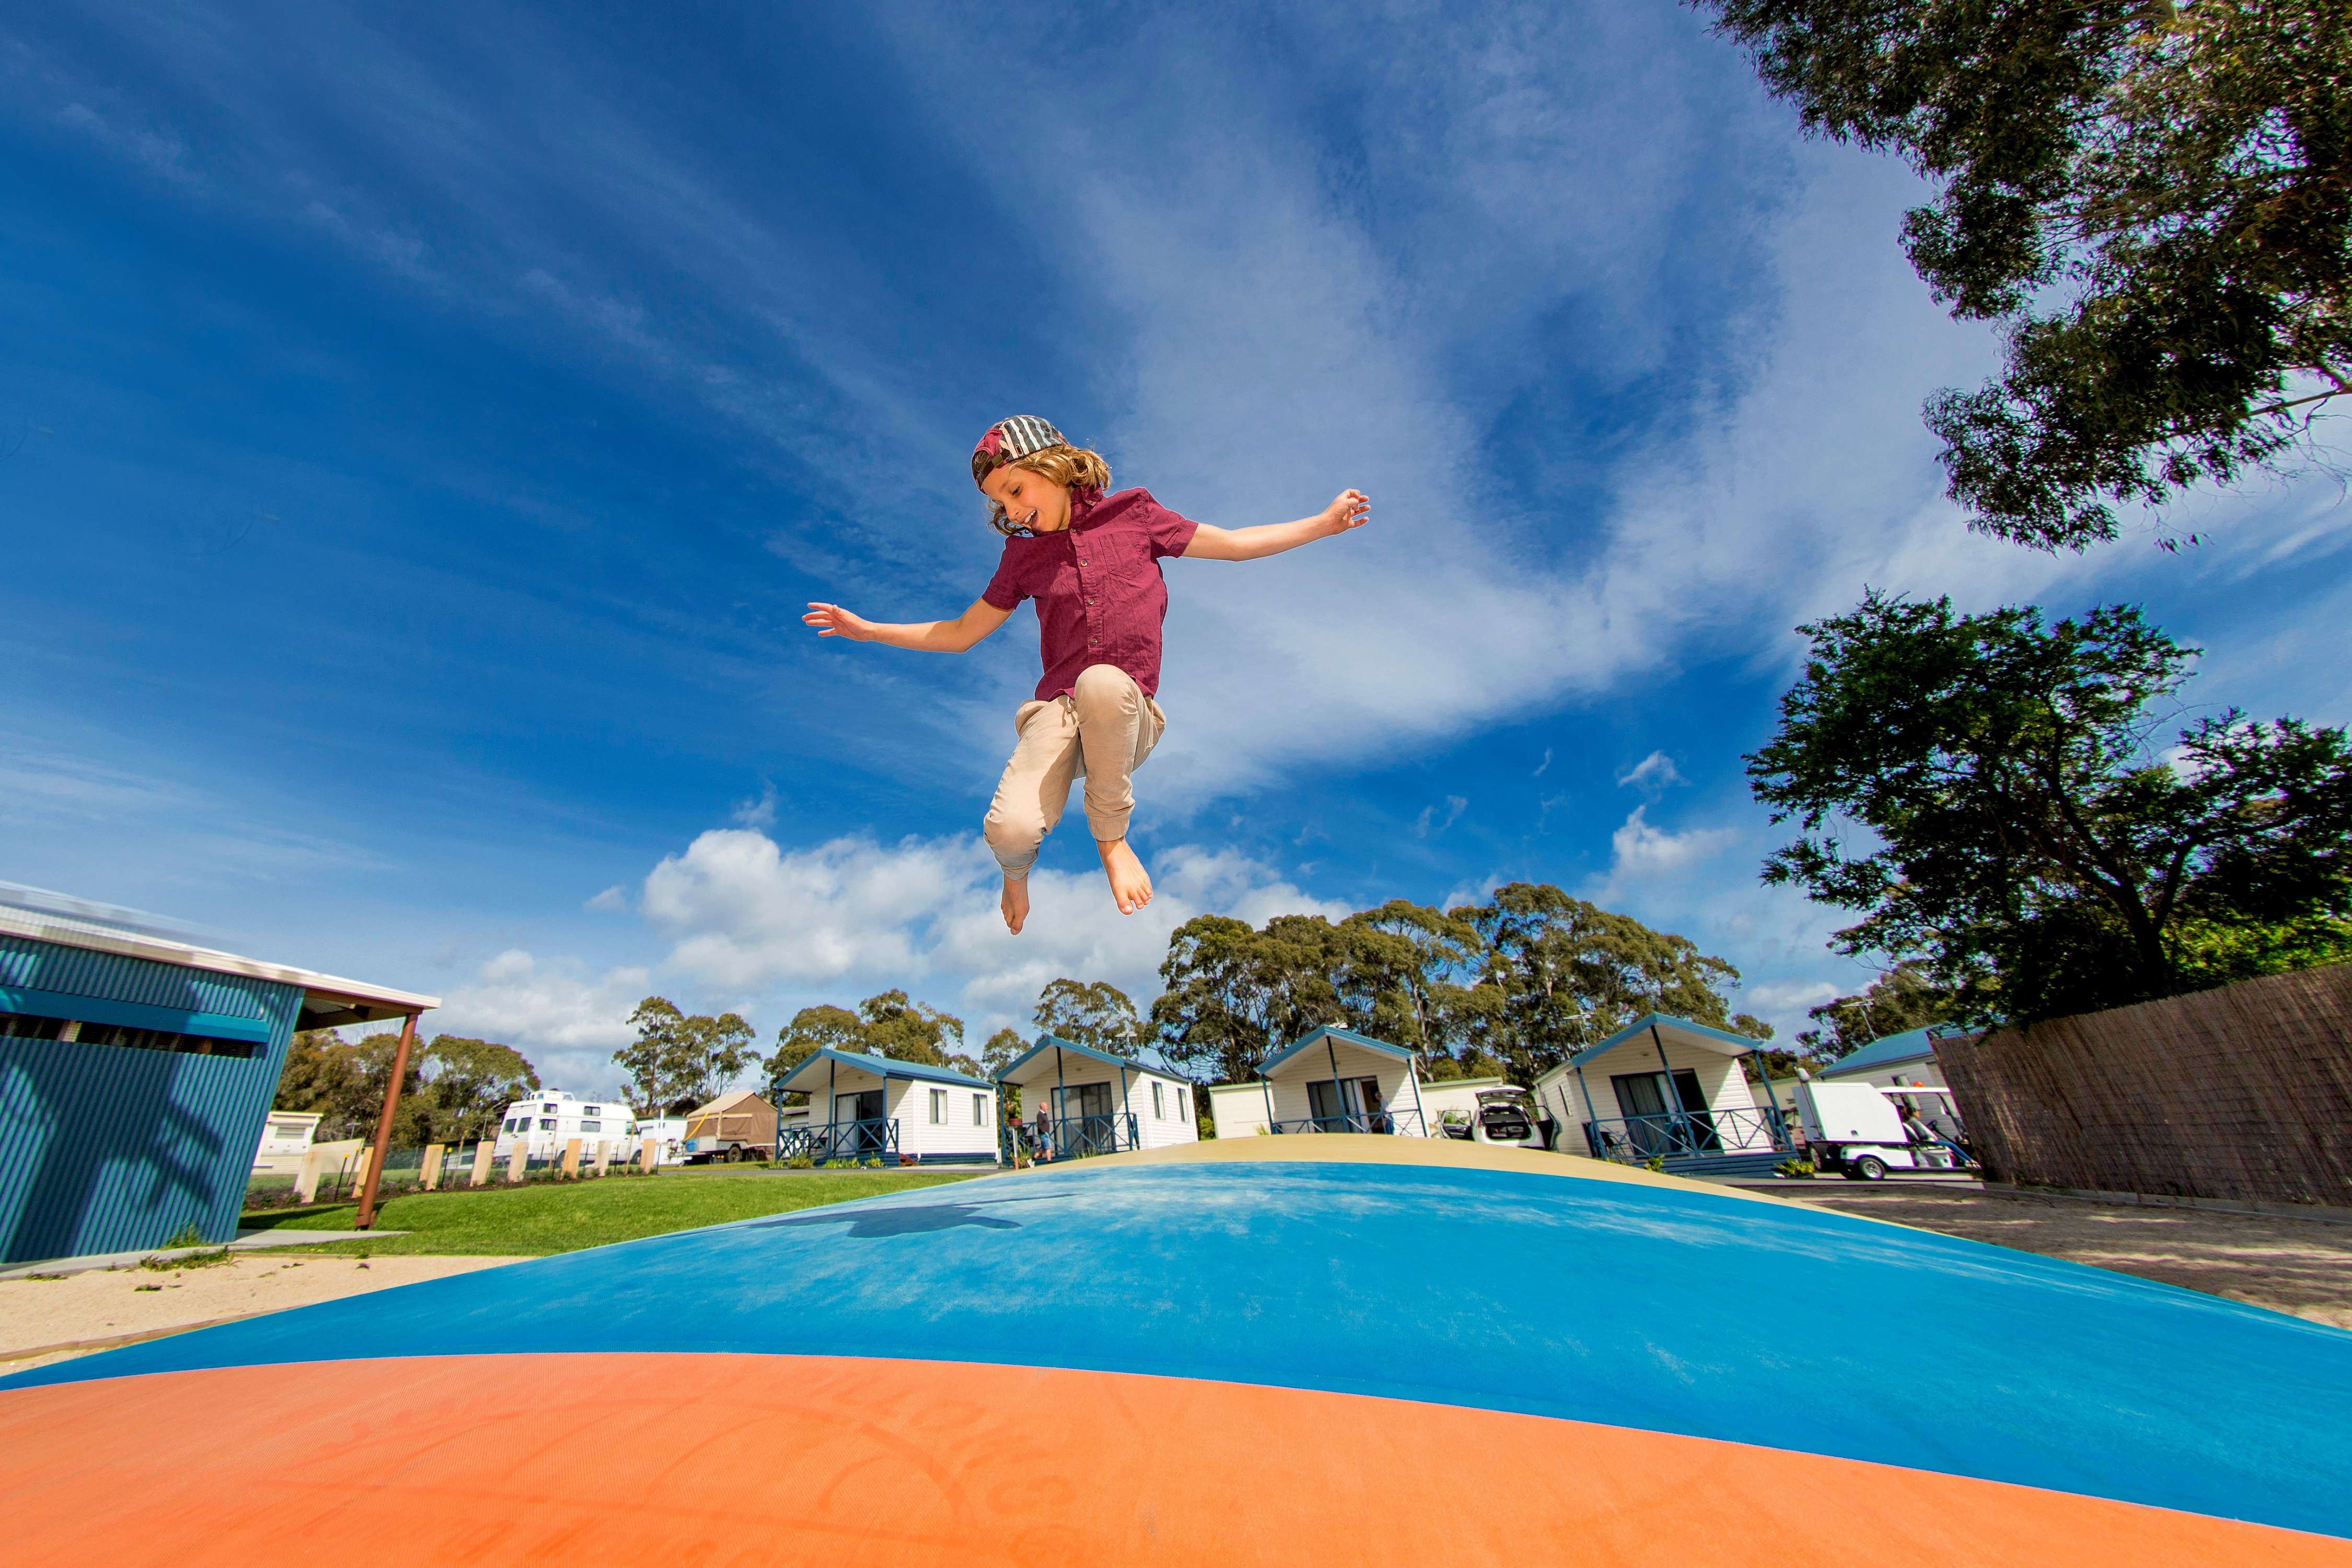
x,y
604,1155
486,1154
306,1180
430,1171
649,1155
516,1158
570,1158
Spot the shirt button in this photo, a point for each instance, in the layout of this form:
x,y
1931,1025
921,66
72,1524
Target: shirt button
x,y
1092,641
1089,601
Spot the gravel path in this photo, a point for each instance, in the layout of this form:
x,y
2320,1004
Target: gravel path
x,y
42,1320
2298,1266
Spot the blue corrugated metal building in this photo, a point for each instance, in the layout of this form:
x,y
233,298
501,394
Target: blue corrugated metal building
x,y
136,1072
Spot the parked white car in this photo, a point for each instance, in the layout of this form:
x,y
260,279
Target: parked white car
x,y
1504,1116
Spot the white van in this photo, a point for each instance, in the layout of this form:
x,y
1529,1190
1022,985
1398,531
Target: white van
x,y
546,1122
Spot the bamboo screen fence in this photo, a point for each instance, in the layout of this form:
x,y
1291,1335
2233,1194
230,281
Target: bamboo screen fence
x,y
2239,1093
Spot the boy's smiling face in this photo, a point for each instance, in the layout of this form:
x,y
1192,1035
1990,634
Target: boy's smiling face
x,y
1030,500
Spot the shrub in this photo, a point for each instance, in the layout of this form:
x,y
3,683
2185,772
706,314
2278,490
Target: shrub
x,y
1799,1169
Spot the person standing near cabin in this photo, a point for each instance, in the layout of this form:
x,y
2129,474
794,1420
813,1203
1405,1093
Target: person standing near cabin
x,y
1090,561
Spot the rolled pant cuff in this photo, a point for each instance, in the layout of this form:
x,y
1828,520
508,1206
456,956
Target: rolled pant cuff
x,y
1107,828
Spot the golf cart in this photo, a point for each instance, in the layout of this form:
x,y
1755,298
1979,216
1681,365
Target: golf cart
x,y
1855,1130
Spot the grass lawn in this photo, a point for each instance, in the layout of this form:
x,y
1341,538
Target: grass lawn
x,y
551,1217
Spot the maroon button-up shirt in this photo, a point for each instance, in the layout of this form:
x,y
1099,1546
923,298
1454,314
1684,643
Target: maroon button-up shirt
x,y
1100,597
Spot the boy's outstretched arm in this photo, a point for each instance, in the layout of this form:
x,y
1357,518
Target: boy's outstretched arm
x,y
928,636
1348,509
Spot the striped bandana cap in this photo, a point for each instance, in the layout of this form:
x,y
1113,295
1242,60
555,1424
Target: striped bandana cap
x,y
1010,438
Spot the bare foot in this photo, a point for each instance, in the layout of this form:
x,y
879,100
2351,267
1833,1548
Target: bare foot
x,y
1015,904
1131,884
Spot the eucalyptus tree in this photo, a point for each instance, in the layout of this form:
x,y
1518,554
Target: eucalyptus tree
x,y
2153,197
1999,798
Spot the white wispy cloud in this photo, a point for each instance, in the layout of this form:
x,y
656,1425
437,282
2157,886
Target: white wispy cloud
x,y
742,913
566,1020
1652,774
1643,850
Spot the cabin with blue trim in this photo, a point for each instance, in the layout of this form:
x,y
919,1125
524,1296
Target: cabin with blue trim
x,y
1079,1100
1890,1060
864,1106
136,1074
1670,1089
1329,1080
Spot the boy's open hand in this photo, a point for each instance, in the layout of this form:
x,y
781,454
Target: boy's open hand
x,y
833,621
1348,509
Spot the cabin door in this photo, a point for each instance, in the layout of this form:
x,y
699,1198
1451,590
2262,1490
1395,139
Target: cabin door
x,y
865,1109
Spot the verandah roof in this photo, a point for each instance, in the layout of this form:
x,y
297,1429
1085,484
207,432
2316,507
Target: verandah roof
x,y
813,1072
1020,1072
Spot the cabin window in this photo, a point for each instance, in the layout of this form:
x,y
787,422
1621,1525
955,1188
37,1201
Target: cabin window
x,y
592,1111
547,1124
548,1109
592,1126
939,1108
1159,1108
1181,1099
979,1110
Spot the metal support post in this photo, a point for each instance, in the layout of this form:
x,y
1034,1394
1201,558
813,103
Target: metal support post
x,y
383,1122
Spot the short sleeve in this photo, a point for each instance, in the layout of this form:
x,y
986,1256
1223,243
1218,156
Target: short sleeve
x,y
1171,534
1004,590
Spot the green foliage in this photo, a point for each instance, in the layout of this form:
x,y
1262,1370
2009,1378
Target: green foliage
x,y
912,1031
1570,973
1100,1015
1505,988
887,1024
801,1163
453,1088
2026,842
678,1060
188,1234
539,1217
211,1258
1902,999
1795,1170
2153,196
815,1029
469,1083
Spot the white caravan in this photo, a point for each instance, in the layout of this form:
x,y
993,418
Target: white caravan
x,y
546,1122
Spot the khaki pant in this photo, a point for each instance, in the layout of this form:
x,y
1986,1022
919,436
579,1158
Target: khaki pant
x,y
1102,731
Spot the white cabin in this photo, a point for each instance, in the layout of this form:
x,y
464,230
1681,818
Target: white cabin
x,y
866,1107
1329,1080
546,1122
1081,1100
1664,1088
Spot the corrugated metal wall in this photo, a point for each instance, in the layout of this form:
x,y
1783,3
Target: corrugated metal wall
x,y
105,1148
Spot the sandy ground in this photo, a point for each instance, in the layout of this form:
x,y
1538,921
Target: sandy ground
x,y
42,1320
2298,1266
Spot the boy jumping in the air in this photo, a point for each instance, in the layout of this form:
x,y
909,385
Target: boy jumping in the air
x,y
1092,562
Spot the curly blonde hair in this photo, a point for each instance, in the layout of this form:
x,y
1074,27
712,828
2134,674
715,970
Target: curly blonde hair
x,y
1074,467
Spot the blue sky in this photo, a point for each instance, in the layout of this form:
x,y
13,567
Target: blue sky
x,y
419,434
